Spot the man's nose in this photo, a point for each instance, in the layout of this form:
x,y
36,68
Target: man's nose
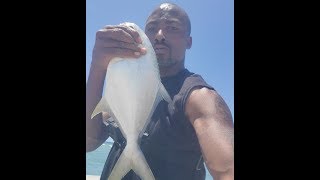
x,y
160,36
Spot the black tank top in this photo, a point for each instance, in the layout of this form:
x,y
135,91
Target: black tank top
x,y
170,144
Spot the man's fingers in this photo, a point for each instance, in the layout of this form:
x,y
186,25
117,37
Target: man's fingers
x,y
118,44
115,34
119,41
123,53
133,33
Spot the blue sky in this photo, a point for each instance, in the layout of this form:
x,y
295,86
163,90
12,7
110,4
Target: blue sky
x,y
212,21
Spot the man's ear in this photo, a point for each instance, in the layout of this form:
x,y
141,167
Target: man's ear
x,y
189,42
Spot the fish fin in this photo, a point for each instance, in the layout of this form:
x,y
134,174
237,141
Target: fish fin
x,y
101,107
122,166
164,93
141,167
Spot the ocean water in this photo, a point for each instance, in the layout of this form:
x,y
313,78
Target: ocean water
x,y
95,160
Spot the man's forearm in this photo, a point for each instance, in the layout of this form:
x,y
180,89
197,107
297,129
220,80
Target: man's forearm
x,y
94,127
94,89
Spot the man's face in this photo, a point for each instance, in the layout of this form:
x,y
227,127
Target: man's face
x,y
167,30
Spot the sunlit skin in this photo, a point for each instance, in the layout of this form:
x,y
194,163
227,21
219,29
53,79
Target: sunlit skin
x,y
168,29
168,32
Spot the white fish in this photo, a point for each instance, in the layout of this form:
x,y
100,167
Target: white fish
x,y
132,92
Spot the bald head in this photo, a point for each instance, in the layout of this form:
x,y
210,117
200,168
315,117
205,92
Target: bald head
x,y
166,10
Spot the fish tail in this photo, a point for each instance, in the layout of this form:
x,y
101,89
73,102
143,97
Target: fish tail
x,y
131,158
122,166
141,167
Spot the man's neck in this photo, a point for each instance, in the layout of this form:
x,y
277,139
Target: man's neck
x,y
172,70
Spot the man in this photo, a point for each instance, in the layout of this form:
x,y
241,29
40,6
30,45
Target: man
x,y
197,126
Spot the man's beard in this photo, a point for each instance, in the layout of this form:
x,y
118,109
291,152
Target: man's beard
x,y
166,63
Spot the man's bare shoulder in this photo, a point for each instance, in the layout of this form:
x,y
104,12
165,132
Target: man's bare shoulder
x,y
204,102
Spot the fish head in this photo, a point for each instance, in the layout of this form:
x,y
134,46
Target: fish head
x,y
145,40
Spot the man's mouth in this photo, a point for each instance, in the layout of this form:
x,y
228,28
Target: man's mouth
x,y
160,49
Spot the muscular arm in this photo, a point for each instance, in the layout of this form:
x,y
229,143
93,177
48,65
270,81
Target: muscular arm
x,y
212,121
95,129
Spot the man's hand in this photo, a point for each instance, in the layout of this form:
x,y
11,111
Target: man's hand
x,y
116,41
